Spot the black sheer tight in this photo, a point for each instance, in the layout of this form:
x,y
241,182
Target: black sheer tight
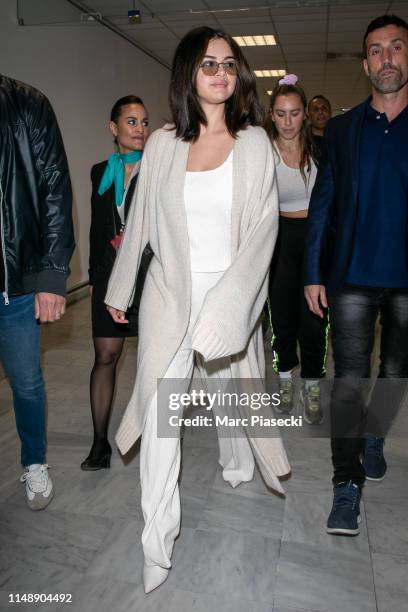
x,y
107,353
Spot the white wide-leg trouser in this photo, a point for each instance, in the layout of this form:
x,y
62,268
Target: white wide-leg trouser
x,y
160,457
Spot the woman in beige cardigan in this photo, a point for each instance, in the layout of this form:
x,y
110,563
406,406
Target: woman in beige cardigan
x,y
207,204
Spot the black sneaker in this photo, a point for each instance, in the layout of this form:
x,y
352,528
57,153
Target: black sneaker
x,y
345,514
374,463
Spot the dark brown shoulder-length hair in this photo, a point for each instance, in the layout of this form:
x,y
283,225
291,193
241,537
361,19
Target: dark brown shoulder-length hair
x,y
307,152
243,108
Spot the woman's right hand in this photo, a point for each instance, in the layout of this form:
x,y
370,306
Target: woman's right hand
x,y
117,315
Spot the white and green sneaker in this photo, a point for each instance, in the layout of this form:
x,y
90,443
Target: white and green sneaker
x,y
286,396
311,400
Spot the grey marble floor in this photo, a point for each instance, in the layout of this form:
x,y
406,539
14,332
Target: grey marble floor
x,y
239,549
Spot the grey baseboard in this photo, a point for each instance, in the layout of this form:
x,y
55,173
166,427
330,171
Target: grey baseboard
x,y
79,292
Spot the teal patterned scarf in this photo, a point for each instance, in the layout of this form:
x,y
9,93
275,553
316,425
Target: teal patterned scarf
x,y
115,173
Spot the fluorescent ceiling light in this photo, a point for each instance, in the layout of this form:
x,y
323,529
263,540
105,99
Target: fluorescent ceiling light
x,y
255,41
270,39
270,73
249,41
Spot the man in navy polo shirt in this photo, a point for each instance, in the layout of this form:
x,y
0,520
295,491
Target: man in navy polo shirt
x,y
356,259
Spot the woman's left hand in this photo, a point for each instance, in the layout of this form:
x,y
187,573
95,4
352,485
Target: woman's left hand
x,y
117,315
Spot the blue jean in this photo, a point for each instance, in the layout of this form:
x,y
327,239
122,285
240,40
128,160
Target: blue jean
x,y
20,356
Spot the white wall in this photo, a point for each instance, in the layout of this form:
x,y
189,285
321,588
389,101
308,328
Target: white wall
x,y
82,71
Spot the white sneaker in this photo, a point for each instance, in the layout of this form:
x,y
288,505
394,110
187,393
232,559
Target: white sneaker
x,y
39,487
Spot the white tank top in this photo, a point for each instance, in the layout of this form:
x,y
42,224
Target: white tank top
x,y
208,202
294,195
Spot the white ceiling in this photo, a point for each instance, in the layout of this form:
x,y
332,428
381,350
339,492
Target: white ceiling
x,y
306,31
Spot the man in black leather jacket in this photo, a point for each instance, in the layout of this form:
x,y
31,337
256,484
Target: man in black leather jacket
x,y
37,241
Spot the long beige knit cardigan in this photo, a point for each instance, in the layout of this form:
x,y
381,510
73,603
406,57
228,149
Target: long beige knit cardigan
x,y
228,324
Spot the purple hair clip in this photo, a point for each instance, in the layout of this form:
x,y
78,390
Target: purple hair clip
x,y
289,79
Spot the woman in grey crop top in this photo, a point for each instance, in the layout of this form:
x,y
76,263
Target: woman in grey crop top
x,y
291,320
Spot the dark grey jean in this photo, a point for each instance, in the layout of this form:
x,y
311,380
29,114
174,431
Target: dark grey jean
x,y
353,314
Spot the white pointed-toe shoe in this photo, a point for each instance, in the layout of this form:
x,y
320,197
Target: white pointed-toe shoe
x,y
153,576
234,483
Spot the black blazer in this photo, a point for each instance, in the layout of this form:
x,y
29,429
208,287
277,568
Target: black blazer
x,y
105,225
333,204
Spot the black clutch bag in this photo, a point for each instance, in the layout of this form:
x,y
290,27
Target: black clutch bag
x,y
141,275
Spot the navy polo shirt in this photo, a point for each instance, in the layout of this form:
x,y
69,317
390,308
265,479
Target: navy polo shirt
x,y
380,249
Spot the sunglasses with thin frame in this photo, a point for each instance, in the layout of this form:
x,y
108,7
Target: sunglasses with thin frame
x,y
211,67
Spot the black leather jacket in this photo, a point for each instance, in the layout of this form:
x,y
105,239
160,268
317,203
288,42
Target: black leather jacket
x,y
36,232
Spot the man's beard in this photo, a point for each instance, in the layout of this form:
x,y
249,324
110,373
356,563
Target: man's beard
x,y
390,84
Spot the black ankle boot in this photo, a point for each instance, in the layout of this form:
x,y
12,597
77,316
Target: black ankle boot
x,y
98,458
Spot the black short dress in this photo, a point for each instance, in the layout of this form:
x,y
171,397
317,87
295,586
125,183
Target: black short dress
x,y
105,226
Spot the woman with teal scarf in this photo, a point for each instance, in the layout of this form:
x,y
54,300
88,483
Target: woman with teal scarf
x,y
113,185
